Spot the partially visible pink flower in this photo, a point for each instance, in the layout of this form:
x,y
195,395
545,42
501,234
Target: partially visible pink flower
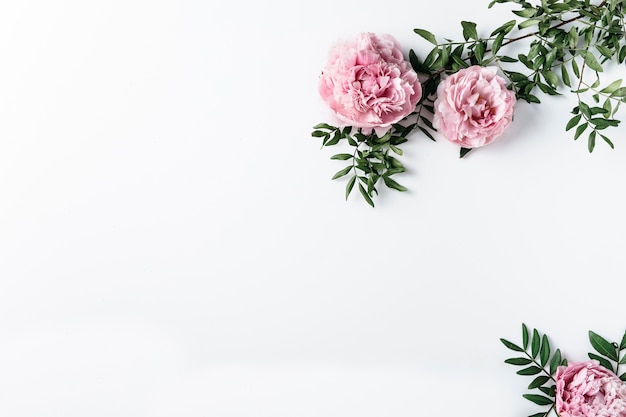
x,y
473,106
367,82
587,389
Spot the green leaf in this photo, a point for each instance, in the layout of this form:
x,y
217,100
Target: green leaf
x,y
565,76
319,134
426,35
535,343
607,140
497,43
555,362
531,370
342,172
602,346
612,87
505,28
324,126
623,376
464,151
573,122
591,141
539,381
518,361
511,346
603,361
544,352
538,399
529,12
341,156
592,62
580,129
551,78
622,344
620,92
366,197
469,30
528,23
389,182
350,185
525,336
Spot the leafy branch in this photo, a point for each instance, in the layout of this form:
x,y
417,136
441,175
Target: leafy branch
x,y
539,360
372,159
566,40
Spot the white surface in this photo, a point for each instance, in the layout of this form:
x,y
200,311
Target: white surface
x,y
171,243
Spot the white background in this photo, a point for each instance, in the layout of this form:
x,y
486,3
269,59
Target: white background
x,y
171,243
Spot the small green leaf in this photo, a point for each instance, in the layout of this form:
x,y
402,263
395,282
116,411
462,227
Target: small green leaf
x,y
622,344
464,151
544,353
324,126
565,76
529,12
591,141
620,92
525,336
469,30
602,346
528,23
580,129
535,343
511,346
555,362
366,197
350,185
426,35
341,156
538,399
603,361
497,43
612,87
592,62
539,381
573,122
389,182
342,172
518,361
505,28
531,370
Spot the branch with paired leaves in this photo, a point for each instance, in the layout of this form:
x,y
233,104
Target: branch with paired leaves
x,y
541,362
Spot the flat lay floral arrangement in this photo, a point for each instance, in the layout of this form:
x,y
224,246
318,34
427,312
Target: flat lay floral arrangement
x,y
593,387
467,90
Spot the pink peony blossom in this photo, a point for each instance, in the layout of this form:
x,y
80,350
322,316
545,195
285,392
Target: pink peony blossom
x,y
587,389
473,106
367,82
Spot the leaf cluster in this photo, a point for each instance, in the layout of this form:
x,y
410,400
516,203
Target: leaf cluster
x,y
569,42
374,159
540,362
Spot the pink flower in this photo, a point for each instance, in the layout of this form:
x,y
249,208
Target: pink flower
x,y
587,389
367,82
473,106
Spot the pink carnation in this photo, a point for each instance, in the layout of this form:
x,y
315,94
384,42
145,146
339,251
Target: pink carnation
x,y
473,106
367,82
587,389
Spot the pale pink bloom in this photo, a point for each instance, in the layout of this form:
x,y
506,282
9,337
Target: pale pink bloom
x,y
587,389
473,106
367,82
